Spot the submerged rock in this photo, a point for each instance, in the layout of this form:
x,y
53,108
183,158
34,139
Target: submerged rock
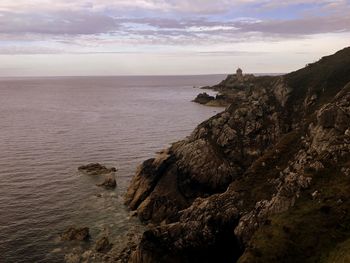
x,y
109,183
96,169
79,234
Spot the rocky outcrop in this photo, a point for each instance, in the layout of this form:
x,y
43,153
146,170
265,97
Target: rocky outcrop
x,y
96,169
257,182
103,251
220,100
79,234
203,98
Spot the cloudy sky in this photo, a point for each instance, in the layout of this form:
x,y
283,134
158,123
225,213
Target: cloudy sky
x,y
156,37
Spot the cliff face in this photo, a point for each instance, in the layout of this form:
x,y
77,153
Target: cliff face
x,y
265,180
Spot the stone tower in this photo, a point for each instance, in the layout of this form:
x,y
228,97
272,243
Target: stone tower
x,y
239,74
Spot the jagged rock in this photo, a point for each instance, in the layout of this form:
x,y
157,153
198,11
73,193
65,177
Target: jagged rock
x,y
216,153
79,234
96,169
203,98
205,225
102,245
74,256
109,182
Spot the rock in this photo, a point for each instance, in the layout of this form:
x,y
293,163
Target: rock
x,y
281,91
102,245
345,171
109,183
96,169
203,98
72,258
79,234
220,100
315,194
77,255
347,132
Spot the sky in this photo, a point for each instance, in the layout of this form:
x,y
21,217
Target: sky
x,y
167,37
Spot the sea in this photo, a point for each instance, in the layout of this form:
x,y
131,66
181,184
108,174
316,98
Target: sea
x,y
49,126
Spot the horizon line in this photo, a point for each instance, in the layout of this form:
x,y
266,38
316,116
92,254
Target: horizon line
x,y
136,75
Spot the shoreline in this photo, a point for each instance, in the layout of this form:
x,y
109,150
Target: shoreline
x,y
209,197
251,178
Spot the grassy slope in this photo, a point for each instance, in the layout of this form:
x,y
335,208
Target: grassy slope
x,y
324,78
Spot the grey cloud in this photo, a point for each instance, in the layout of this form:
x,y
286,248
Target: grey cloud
x,y
70,23
87,29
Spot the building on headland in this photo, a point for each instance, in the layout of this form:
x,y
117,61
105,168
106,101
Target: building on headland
x,y
239,74
238,81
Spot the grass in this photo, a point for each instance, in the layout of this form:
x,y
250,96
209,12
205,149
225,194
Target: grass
x,y
324,78
314,230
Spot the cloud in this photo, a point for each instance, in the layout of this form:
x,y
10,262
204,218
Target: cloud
x,y
66,22
122,25
181,6
299,27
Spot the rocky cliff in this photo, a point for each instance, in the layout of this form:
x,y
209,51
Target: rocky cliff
x,y
267,180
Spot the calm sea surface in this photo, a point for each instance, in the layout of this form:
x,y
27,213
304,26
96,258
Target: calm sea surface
x,y
50,126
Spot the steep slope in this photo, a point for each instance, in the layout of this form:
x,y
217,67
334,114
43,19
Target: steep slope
x,y
259,182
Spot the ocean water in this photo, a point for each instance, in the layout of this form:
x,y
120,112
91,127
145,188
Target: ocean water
x,y
50,126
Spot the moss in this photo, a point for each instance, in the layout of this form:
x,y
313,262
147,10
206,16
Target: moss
x,y
314,230
324,78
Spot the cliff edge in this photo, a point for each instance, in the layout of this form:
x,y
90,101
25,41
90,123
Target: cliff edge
x,y
266,180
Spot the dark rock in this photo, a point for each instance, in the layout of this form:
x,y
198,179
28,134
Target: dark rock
x,y
203,98
220,100
96,169
79,234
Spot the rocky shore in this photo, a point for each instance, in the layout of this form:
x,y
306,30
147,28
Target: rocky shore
x,y
266,180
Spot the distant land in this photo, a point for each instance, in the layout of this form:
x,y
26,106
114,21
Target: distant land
x,y
128,76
